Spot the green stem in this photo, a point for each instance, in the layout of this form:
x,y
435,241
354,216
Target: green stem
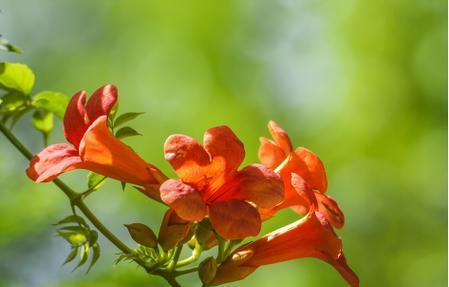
x,y
195,255
175,259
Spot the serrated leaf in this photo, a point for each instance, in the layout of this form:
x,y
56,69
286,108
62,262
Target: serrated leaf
x,y
124,118
84,257
95,180
52,102
126,132
75,239
16,77
96,250
43,121
71,255
72,219
93,237
142,234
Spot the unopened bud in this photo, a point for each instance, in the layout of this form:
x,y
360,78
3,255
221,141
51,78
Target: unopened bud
x,y
207,270
203,232
173,231
142,234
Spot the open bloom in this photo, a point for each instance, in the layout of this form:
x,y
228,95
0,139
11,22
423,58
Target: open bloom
x,y
303,174
93,147
210,183
311,236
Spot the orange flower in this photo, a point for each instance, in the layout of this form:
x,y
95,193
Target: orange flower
x,y
210,184
93,145
311,236
303,174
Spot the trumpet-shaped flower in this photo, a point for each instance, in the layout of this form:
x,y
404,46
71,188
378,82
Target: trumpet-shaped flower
x,y
311,236
303,174
93,147
210,183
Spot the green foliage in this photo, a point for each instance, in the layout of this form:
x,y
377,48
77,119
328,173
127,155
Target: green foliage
x,y
126,132
16,77
53,102
82,240
124,118
95,180
43,122
142,234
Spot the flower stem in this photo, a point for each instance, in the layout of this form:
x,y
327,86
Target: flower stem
x,y
194,257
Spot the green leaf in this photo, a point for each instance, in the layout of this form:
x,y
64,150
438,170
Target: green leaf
x,y
113,112
72,219
5,45
96,250
75,228
142,234
95,180
52,102
16,77
75,239
122,119
43,121
126,132
84,257
71,255
13,101
93,237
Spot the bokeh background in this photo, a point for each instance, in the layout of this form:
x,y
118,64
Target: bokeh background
x,y
361,83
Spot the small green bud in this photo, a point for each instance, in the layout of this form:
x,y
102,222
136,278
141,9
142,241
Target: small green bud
x,y
142,234
207,270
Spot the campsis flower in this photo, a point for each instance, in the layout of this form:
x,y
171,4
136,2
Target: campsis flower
x,y
93,146
210,184
311,236
303,175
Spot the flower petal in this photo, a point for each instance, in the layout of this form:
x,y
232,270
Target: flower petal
x,y
225,149
75,119
184,199
101,102
280,137
270,154
105,154
316,174
234,219
311,236
52,161
329,208
260,185
187,156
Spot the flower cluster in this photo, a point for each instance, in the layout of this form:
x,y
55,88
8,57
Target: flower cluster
x,y
212,191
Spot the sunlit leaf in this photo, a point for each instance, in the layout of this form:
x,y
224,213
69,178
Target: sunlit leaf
x,y
16,77
51,101
84,256
74,238
43,121
95,180
126,132
122,119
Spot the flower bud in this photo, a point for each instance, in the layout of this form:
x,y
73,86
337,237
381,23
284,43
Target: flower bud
x,y
142,234
207,270
173,231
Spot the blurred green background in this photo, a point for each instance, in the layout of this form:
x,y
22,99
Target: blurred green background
x,y
361,83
